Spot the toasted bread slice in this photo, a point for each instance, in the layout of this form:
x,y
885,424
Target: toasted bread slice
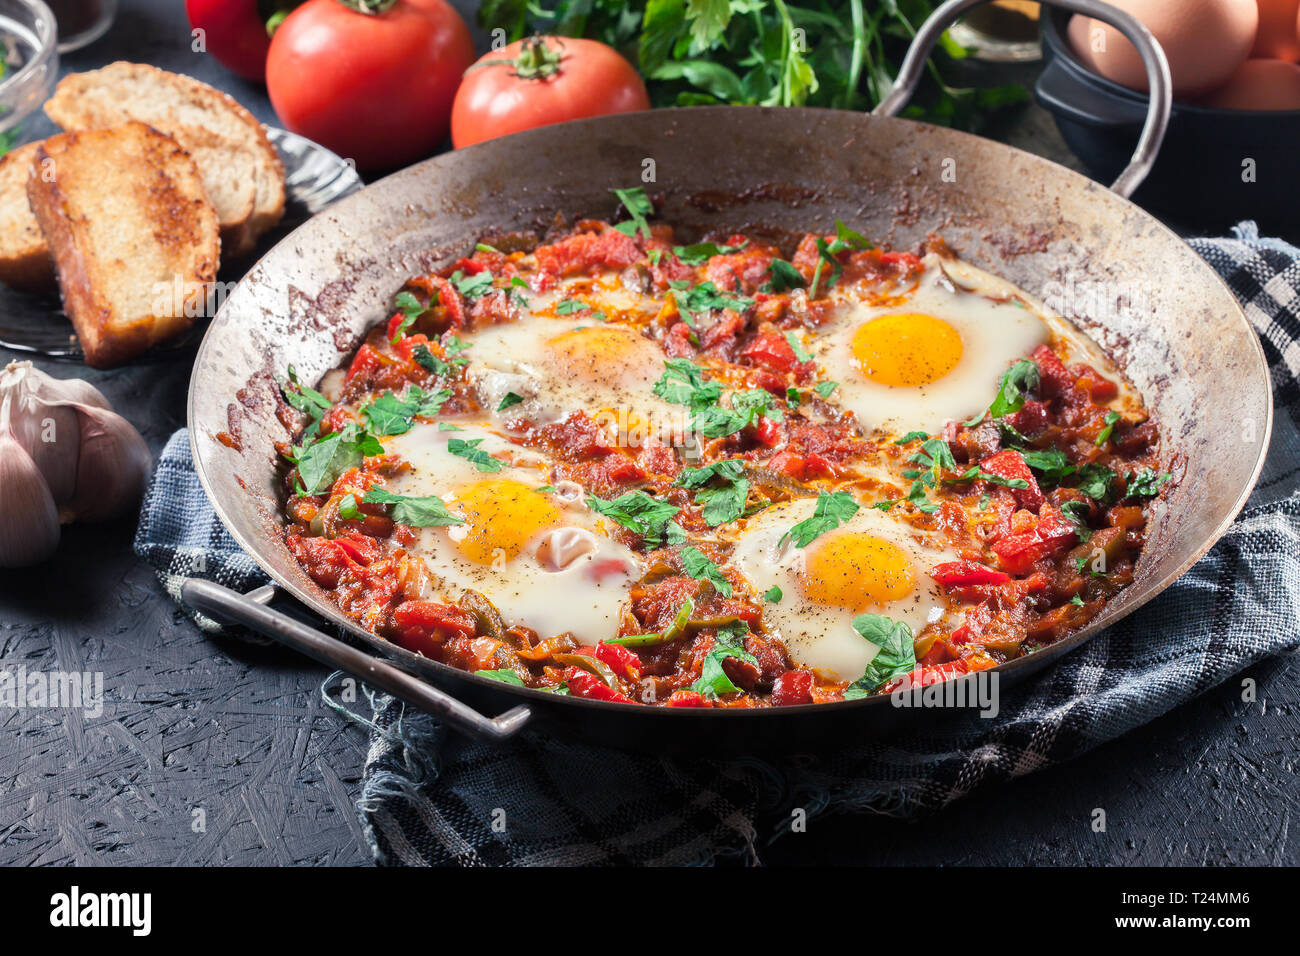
x,y
25,261
134,237
241,169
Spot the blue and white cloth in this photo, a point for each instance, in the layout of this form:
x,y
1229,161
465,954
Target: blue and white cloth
x,y
429,796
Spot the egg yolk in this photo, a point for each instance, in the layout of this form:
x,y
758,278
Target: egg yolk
x,y
600,354
906,349
853,570
501,516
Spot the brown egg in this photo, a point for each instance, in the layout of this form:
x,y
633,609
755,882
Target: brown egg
x,y
1204,40
1276,38
1260,85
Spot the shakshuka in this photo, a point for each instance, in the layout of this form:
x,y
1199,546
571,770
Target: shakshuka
x,y
718,474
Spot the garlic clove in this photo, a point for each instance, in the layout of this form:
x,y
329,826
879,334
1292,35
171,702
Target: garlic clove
x,y
29,520
113,466
54,391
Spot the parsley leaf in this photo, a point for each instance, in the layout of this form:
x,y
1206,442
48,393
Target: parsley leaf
x,y
306,400
697,565
472,286
784,277
638,512
1095,481
825,388
639,208
713,680
509,401
504,675
801,353
390,415
696,300
896,657
470,451
424,512
722,504
1052,465
773,595
411,309
911,437
683,383
832,510
701,252
1146,483
321,463
1108,422
1016,381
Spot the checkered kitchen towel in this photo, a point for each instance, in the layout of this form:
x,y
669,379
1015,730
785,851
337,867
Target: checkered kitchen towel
x,y
431,796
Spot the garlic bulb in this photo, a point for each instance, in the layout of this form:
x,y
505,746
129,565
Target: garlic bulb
x,y
60,434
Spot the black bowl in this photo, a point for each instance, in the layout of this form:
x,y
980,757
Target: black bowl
x,y
1216,166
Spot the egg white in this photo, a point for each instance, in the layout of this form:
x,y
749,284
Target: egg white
x,y
995,326
583,596
820,635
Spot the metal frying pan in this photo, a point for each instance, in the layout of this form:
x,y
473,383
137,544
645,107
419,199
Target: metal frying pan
x,y
1139,290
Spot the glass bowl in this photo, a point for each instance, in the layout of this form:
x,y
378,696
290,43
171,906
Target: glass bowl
x,y
30,64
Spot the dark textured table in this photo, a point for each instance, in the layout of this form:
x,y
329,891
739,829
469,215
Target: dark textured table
x,y
241,735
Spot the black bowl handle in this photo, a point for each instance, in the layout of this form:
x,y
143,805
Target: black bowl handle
x,y
250,610
1153,58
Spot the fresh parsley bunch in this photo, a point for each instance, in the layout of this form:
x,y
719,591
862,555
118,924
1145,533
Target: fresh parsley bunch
x,y
765,52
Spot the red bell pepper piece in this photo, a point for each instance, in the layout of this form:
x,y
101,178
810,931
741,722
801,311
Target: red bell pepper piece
x,y
685,698
791,688
424,625
770,350
1010,464
620,659
590,687
960,574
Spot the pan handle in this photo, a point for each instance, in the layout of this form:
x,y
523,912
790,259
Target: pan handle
x,y
1153,58
251,611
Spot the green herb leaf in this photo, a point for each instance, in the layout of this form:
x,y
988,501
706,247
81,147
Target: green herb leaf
x,y
701,252
784,277
421,512
470,451
832,510
321,463
698,566
639,208
896,657
1016,381
504,675
773,595
696,300
1108,422
801,353
713,680
1146,483
639,512
509,401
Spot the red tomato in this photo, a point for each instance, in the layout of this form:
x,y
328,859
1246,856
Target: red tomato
x,y
233,32
543,80
375,88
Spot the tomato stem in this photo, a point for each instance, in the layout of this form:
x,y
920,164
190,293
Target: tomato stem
x,y
536,60
370,8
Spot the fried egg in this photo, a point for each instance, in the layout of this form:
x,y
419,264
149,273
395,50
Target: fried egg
x,y
932,356
557,366
870,564
537,552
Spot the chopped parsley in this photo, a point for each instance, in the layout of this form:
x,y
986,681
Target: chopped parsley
x,y
697,564
472,286
1022,377
322,462
896,657
638,512
713,680
832,510
423,512
470,451
801,353
824,389
390,415
510,400
1146,483
411,309
504,675
773,595
784,277
639,209
696,300
723,503
1108,422
845,239
701,252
